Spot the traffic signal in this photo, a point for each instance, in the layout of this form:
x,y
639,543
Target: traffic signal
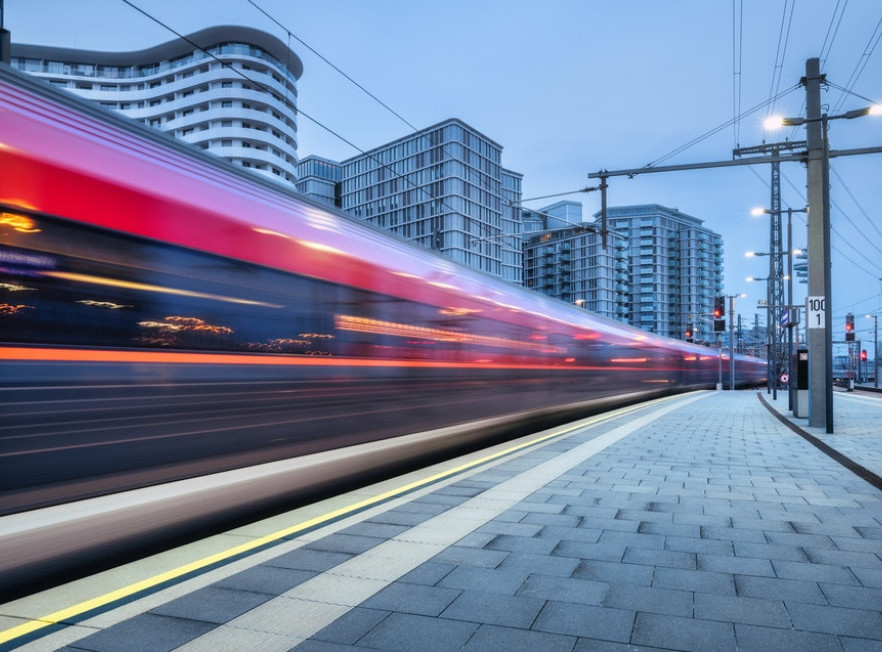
x,y
690,333
864,355
849,327
719,314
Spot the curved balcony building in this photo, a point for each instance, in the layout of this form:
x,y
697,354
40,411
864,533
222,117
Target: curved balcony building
x,y
230,90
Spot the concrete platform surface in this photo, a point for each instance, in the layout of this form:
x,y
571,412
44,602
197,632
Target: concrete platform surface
x,y
699,522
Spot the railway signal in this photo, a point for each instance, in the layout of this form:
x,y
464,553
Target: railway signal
x,y
719,314
849,327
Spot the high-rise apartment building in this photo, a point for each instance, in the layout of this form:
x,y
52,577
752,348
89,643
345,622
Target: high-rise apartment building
x,y
443,187
233,94
559,215
675,269
571,264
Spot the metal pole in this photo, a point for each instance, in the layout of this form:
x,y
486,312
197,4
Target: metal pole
x,y
820,347
875,354
770,369
790,328
732,342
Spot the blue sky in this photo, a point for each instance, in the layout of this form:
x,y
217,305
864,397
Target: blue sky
x,y
570,87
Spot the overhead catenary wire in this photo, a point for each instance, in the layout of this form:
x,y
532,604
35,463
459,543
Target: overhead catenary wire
x,y
780,53
416,130
869,49
737,41
258,83
832,31
719,128
856,203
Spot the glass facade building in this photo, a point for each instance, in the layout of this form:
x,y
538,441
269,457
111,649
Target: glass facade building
x,y
675,269
571,264
445,189
234,94
557,216
319,179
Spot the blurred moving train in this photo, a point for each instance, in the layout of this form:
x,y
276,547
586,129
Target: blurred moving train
x,y
128,257
131,260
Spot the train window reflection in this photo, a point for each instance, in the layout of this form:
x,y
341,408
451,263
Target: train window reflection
x,y
147,287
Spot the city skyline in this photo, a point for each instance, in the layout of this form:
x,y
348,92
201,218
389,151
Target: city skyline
x,y
568,89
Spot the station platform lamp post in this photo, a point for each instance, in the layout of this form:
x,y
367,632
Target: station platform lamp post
x,y
777,300
819,322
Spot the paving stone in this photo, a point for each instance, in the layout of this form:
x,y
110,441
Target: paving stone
x,y
271,580
409,598
505,582
571,590
779,589
585,621
694,580
649,599
490,638
406,633
351,626
563,520
699,545
686,634
585,550
212,604
604,571
853,597
492,609
665,558
835,620
844,558
464,556
768,551
814,572
870,577
541,564
345,543
752,638
668,529
523,545
632,539
751,611
375,529
429,573
309,560
145,633
736,565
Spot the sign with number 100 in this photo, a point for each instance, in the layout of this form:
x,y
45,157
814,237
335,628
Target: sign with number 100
x,y
816,309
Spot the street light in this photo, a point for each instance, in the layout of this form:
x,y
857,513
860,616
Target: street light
x,y
820,336
772,309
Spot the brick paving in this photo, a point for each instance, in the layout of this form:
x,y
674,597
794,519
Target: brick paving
x,y
709,527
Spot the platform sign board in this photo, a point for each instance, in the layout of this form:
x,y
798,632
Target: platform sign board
x,y
789,318
816,309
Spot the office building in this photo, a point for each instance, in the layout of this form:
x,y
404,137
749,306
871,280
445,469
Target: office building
x,y
444,188
319,179
234,94
675,269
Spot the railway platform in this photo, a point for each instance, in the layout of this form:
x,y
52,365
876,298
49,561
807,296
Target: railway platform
x,y
697,522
